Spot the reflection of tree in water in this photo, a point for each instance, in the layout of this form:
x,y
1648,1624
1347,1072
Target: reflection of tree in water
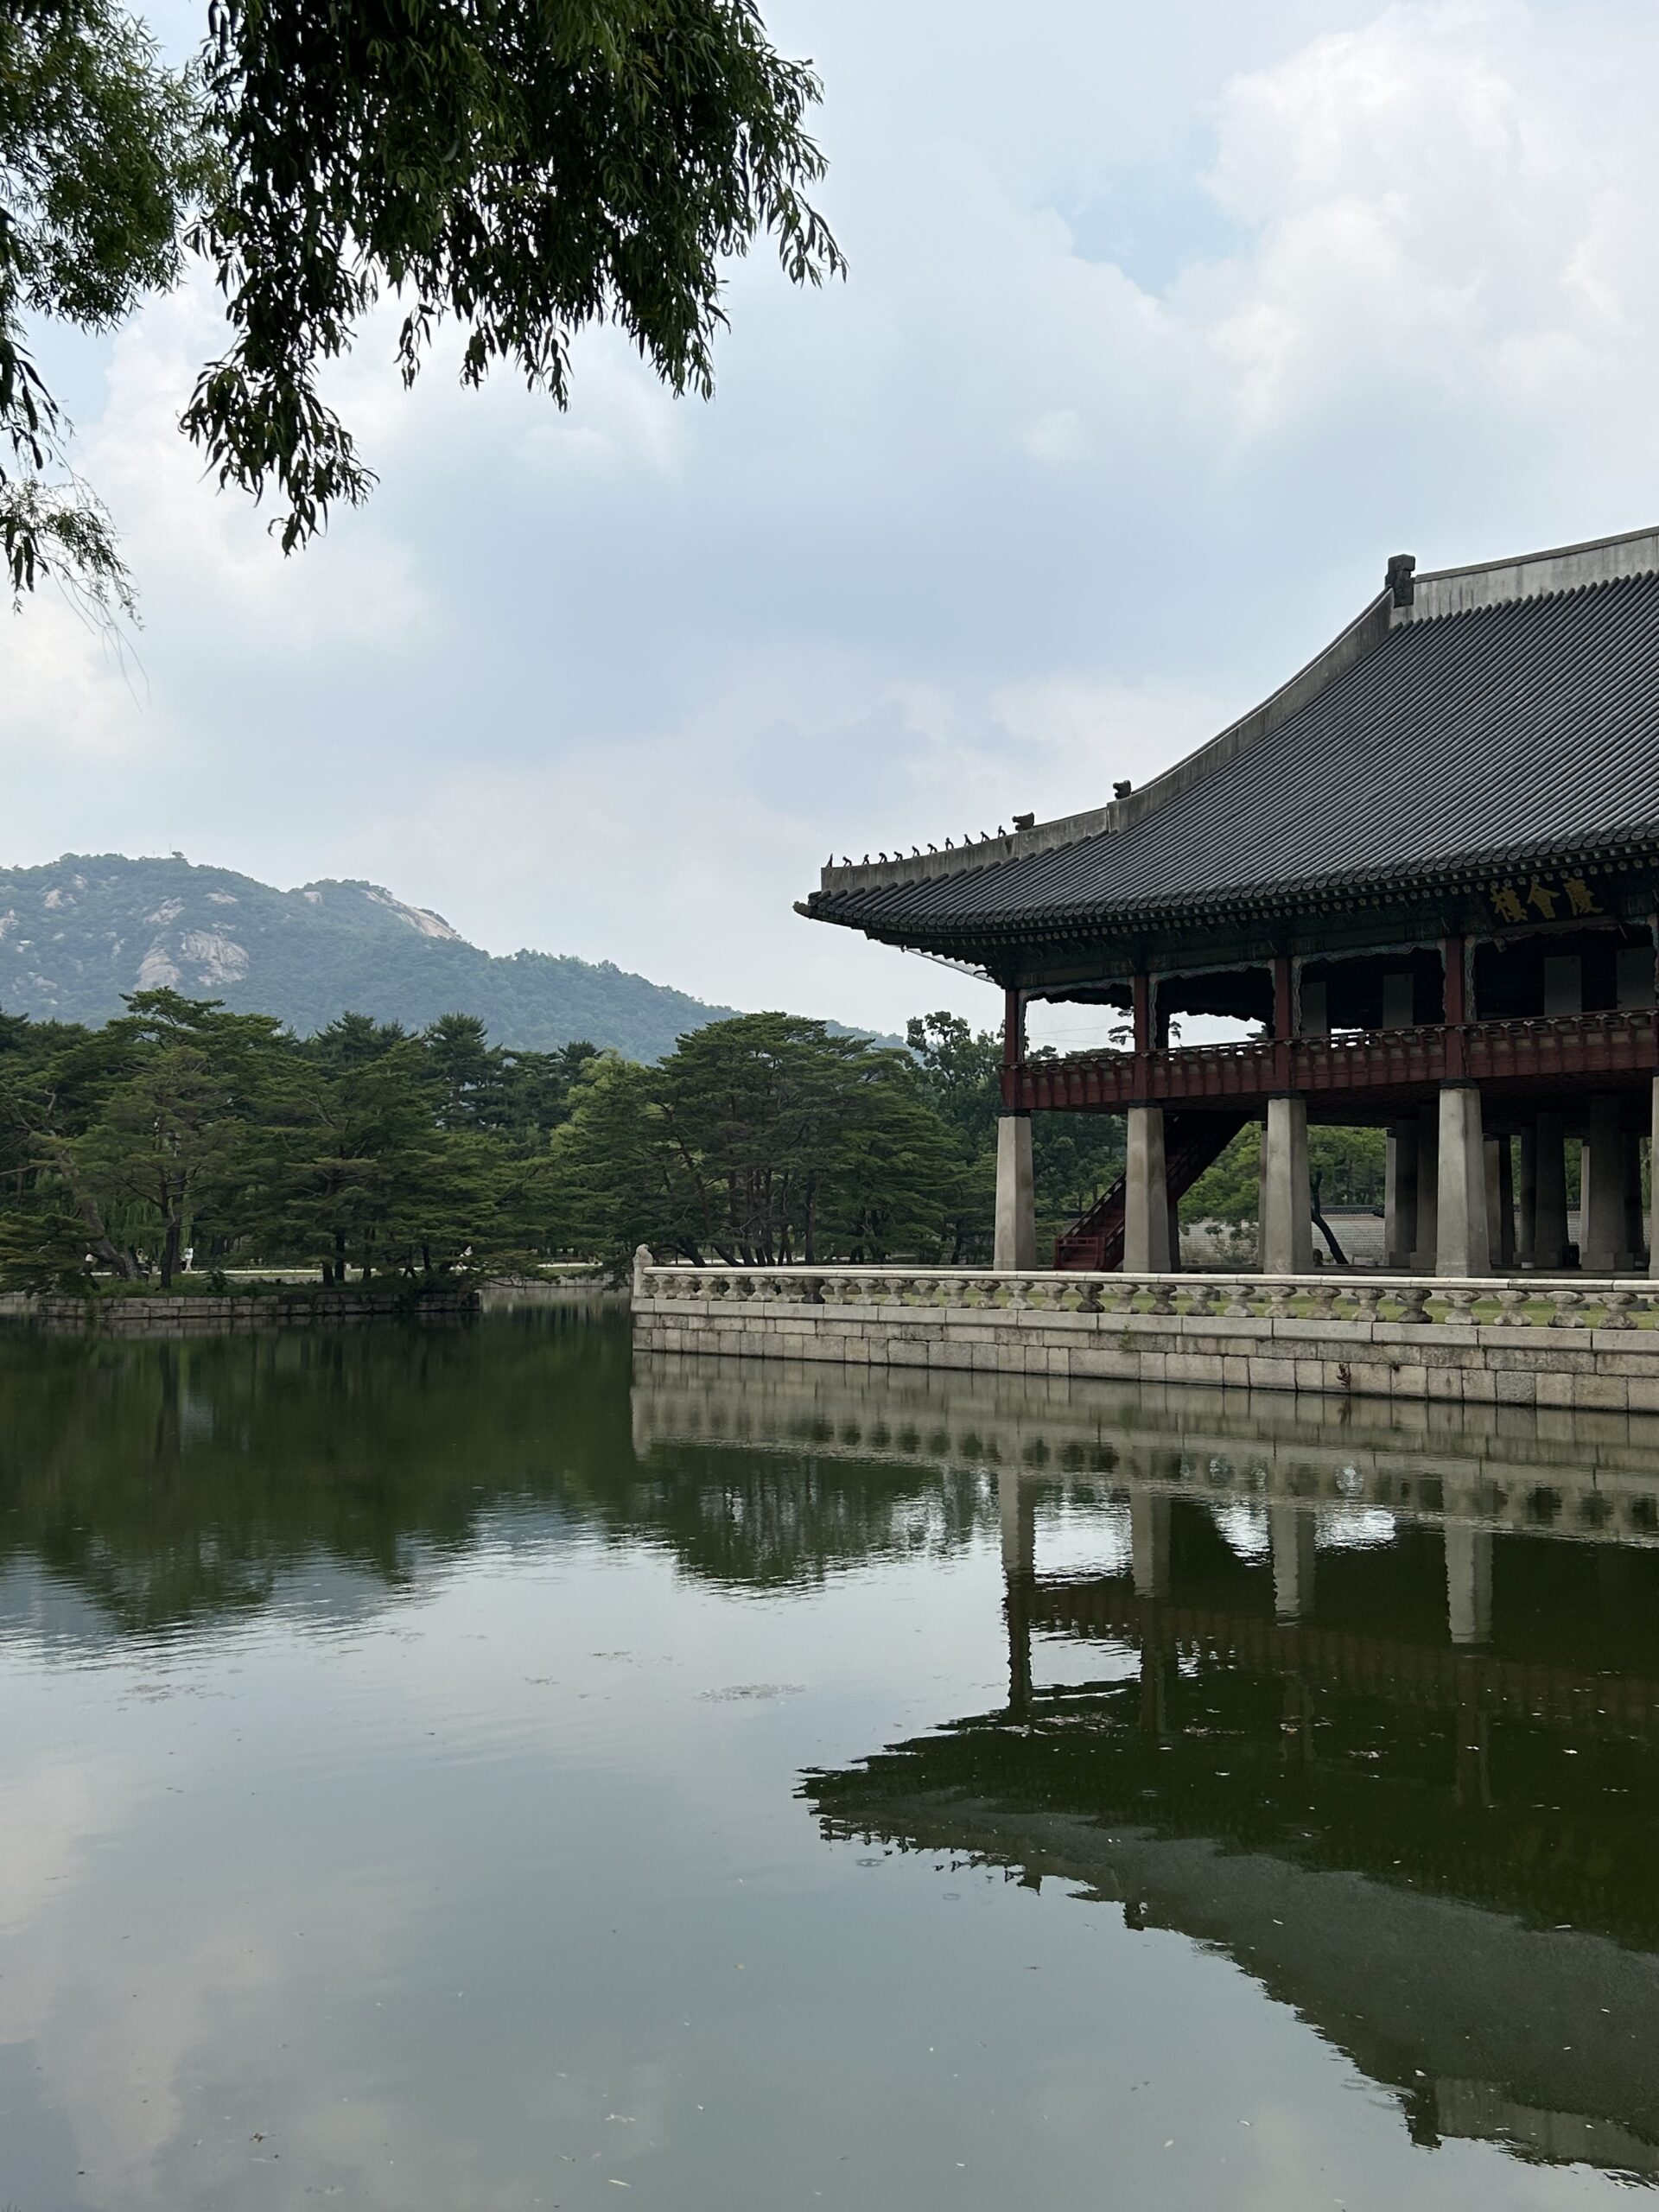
x,y
170,1482
776,1520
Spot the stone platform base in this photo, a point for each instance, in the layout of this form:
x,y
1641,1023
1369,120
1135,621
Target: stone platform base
x,y
1562,1347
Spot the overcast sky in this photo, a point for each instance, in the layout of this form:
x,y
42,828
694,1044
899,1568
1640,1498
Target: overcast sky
x,y
1166,326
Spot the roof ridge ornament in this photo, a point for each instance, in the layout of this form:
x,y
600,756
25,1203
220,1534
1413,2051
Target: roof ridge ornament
x,y
1401,580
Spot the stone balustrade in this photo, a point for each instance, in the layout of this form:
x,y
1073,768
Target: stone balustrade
x,y
1572,1341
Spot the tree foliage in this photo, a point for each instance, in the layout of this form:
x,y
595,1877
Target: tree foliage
x,y
525,168
101,160
759,1140
420,1158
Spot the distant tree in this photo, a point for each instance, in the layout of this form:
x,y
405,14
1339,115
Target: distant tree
x,y
615,1179
361,1171
527,168
760,1139
353,1040
1350,1163
172,1138
470,1076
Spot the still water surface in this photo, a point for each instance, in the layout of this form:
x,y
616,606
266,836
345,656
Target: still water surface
x,y
488,1771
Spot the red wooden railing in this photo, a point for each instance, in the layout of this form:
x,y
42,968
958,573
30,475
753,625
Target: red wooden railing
x,y
1565,1047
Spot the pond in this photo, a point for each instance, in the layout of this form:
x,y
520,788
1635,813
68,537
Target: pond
x,y
481,1770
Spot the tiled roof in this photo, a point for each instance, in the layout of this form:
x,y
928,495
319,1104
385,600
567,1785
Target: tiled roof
x,y
1505,732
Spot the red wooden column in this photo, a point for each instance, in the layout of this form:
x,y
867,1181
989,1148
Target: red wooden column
x,y
1141,988
1284,1020
1013,1044
1457,1008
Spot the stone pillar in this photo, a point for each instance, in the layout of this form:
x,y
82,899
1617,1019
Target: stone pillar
x,y
1149,1543
1016,1204
1526,1228
1286,1229
1601,1190
1400,1198
1428,1190
1462,1246
1500,1203
1291,1532
1636,1227
1549,1195
1469,1582
1653,1187
1145,1195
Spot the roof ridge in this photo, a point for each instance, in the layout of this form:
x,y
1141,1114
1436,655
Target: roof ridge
x,y
1558,569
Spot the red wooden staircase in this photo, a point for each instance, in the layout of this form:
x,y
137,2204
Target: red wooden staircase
x,y
1192,1142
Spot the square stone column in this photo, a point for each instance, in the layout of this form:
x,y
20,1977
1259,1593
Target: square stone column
x,y
1601,1191
1286,1230
1462,1245
1145,1195
1549,1195
1016,1203
1653,1187
1400,1194
1636,1226
1526,1227
1428,1190
1500,1202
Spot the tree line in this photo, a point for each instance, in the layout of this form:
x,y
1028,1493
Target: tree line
x,y
369,1152
372,1152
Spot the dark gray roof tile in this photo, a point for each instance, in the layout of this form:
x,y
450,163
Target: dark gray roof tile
x,y
1471,738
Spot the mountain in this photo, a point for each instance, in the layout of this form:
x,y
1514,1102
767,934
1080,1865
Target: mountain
x,y
78,933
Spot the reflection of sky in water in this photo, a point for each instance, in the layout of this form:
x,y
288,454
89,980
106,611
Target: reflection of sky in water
x,y
456,1862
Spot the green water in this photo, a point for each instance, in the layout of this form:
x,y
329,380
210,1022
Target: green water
x,y
481,1770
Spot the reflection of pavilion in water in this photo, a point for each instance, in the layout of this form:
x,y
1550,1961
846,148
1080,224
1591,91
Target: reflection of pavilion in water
x,y
1373,1711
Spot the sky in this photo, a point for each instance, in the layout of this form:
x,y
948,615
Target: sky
x,y
1164,327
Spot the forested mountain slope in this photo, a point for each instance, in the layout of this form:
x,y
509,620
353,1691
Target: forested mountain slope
x,y
79,932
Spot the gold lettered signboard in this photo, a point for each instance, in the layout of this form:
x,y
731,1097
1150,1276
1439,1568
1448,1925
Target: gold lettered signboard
x,y
1541,899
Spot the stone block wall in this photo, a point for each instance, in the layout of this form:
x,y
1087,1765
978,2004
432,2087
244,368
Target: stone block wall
x,y
1468,1362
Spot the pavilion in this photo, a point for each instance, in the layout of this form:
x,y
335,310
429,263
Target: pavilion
x,y
1427,866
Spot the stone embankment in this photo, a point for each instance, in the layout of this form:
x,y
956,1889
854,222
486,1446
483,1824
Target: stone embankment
x,y
216,1317
1576,1343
